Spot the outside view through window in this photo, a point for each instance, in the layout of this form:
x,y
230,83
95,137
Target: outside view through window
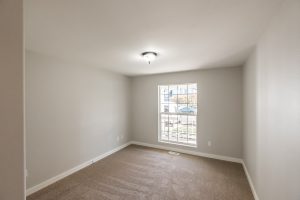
x,y
178,114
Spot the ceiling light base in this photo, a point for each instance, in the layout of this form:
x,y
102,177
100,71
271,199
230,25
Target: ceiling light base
x,y
149,56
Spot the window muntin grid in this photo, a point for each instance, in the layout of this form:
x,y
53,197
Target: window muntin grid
x,y
178,114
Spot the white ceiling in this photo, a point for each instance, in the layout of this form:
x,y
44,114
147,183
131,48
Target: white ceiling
x,y
111,34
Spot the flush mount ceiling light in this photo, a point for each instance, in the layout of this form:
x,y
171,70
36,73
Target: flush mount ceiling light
x,y
149,56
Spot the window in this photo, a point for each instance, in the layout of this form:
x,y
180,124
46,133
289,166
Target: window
x,y
178,114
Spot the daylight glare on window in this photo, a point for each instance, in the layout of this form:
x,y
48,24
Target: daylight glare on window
x,y
178,114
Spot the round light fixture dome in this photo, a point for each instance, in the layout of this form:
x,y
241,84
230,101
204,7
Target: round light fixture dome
x,y
149,56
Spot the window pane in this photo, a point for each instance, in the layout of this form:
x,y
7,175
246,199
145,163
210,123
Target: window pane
x,y
173,108
173,119
164,98
191,130
192,88
182,129
173,128
164,118
173,99
182,99
182,89
173,137
164,126
185,109
165,136
192,141
167,124
192,98
182,137
192,109
192,120
182,120
164,108
192,133
172,90
164,89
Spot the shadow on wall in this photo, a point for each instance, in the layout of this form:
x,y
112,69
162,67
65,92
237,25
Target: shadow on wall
x,y
236,59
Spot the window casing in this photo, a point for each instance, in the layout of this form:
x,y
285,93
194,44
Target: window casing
x,y
178,114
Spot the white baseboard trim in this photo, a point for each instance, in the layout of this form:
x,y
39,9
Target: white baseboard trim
x,y
73,170
250,181
195,153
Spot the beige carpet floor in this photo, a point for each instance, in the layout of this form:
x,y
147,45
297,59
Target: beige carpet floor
x,y
145,173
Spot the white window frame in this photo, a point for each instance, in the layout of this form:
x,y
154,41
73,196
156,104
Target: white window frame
x,y
169,113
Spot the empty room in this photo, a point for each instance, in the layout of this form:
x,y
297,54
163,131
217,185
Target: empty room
x,y
150,100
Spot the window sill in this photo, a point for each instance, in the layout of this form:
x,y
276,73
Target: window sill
x,y
178,144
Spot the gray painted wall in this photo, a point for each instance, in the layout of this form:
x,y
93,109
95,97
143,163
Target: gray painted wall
x,y
73,114
11,97
219,108
272,108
